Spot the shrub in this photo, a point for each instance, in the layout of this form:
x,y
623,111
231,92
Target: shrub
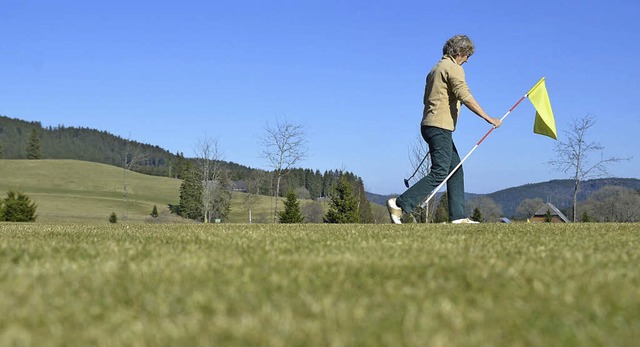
x,y
154,212
477,215
17,207
113,218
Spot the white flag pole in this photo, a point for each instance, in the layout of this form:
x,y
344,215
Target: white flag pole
x,y
435,191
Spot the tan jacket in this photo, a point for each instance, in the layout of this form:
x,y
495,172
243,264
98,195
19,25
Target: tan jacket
x,y
445,89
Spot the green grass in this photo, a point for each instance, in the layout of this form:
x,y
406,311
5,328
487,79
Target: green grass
x,y
78,191
72,191
320,285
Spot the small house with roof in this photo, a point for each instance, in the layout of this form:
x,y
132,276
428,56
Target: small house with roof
x,y
549,210
239,186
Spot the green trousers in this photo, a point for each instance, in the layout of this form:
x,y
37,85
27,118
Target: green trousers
x,y
444,158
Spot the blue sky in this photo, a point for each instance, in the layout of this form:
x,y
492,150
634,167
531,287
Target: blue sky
x,y
170,73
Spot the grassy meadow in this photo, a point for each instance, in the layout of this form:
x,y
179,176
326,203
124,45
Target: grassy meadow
x,y
319,285
73,191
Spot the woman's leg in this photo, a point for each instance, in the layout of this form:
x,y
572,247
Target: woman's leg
x,y
440,143
455,188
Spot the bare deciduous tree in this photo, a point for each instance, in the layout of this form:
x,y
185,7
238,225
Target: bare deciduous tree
x,y
132,157
614,204
251,198
573,156
313,212
528,207
417,152
284,146
209,169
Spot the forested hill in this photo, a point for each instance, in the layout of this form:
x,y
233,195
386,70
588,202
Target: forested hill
x,y
93,145
82,144
558,192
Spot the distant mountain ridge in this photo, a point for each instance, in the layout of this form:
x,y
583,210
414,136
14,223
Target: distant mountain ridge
x,y
558,192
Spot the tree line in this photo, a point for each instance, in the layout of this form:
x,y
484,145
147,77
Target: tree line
x,y
17,138
208,200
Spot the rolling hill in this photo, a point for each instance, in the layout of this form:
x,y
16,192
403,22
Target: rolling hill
x,y
73,191
79,191
60,142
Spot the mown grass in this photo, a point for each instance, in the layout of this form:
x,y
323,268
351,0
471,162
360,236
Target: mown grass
x,y
320,285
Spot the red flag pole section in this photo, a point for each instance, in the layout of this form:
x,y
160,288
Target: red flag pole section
x,y
435,191
503,117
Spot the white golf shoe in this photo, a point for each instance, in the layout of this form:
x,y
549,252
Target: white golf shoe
x,y
464,221
395,212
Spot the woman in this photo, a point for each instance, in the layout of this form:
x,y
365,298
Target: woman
x,y
445,90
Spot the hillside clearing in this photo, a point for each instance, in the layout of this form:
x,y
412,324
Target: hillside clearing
x,y
72,191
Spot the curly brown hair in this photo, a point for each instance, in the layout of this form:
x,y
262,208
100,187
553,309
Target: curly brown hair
x,y
458,45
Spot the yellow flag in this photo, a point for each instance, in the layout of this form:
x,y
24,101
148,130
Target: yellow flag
x,y
544,124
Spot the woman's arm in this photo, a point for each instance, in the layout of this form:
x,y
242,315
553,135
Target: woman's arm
x,y
474,106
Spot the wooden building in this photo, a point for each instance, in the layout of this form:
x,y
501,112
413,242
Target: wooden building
x,y
555,214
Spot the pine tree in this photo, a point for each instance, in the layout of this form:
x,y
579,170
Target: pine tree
x,y
442,211
548,217
585,217
191,195
364,206
477,215
178,166
291,213
17,207
344,205
154,212
329,183
366,214
33,149
313,183
113,218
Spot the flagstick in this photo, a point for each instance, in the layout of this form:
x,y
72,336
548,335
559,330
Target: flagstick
x,y
435,191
